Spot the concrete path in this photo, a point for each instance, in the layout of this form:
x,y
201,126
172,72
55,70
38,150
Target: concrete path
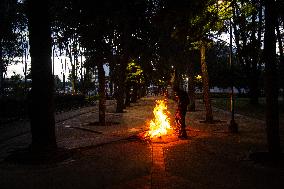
x,y
112,157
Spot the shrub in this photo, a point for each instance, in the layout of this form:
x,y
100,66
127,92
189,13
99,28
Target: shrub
x,y
69,101
13,108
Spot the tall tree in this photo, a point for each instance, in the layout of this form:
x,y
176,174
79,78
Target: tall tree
x,y
280,24
42,102
102,92
248,29
134,79
201,25
13,22
271,79
95,30
205,81
191,87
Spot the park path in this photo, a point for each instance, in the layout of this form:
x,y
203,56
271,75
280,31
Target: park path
x,y
158,173
75,128
113,157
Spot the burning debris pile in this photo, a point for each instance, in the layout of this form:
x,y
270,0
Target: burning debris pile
x,y
160,125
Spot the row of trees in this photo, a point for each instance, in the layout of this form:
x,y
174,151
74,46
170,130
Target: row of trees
x,y
148,35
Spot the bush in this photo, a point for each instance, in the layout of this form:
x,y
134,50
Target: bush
x,y
69,101
12,107
221,95
92,99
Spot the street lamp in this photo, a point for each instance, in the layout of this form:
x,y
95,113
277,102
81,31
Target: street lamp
x,y
233,126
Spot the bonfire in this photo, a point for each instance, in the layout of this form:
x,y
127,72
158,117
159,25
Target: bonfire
x,y
160,125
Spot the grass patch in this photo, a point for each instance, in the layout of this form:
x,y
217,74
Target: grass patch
x,y
243,107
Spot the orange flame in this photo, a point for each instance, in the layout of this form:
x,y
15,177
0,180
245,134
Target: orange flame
x,y
160,124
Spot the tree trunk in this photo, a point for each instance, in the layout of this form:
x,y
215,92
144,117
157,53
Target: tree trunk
x,y
1,71
271,83
121,86
135,93
176,82
120,96
127,95
205,82
111,79
191,88
42,101
281,62
102,95
73,79
254,87
250,59
72,62
3,21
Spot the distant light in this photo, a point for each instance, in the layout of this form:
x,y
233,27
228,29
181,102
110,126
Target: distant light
x,y
198,77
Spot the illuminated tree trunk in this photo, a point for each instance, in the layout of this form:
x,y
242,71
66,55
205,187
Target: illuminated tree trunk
x,y
102,94
271,80
205,82
42,101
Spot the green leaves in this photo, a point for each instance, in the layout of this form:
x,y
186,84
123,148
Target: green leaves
x,y
134,73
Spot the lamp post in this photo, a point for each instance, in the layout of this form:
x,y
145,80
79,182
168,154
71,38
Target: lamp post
x,y
233,126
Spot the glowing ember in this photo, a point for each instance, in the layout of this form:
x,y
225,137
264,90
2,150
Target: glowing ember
x,y
160,124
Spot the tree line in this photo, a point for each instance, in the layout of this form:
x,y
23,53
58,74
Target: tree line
x,y
144,42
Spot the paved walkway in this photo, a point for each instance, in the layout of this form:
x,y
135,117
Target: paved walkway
x,y
112,157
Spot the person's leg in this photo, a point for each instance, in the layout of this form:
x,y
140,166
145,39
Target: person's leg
x,y
178,119
182,129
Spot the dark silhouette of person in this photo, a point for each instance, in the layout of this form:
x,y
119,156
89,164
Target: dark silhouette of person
x,y
182,100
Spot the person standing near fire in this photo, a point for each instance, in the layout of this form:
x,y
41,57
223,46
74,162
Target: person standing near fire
x,y
182,102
